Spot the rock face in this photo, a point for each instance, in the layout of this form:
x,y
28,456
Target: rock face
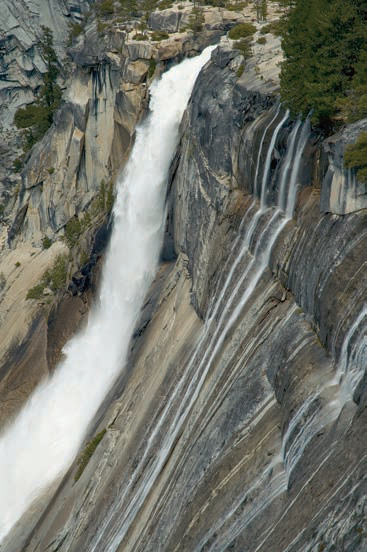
x,y
21,63
341,193
21,70
105,97
242,432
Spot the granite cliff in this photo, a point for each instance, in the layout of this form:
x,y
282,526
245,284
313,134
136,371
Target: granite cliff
x,y
60,189
238,421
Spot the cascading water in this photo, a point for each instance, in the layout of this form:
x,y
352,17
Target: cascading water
x,y
224,313
42,441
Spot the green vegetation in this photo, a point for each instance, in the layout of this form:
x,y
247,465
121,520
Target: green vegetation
x,y
140,36
17,264
104,200
17,165
263,10
152,67
105,7
237,7
102,203
37,118
51,170
276,28
240,71
324,45
165,4
110,199
2,281
84,258
75,30
128,9
157,36
196,20
355,157
74,228
87,453
46,242
215,3
55,278
243,30
244,47
261,40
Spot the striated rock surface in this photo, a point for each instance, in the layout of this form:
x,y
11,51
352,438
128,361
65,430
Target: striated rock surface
x,y
61,182
341,193
238,422
21,61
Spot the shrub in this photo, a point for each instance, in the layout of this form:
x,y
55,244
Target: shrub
x,y
75,30
240,71
244,47
261,40
17,264
236,7
54,278
243,30
140,36
46,242
110,198
101,27
152,67
36,118
276,28
2,281
51,170
157,36
196,20
105,8
35,292
73,229
87,453
165,4
84,258
104,200
17,165
355,157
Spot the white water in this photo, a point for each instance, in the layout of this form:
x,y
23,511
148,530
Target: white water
x,y
44,438
125,506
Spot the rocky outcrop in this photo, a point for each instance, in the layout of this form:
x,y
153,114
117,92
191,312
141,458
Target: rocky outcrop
x,y
21,70
21,63
341,192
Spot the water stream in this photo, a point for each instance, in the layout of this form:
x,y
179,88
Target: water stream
x,y
44,438
227,307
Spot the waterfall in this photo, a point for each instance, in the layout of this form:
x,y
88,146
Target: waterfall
x,y
224,313
44,438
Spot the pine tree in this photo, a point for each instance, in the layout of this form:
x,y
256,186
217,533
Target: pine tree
x,y
323,44
37,118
